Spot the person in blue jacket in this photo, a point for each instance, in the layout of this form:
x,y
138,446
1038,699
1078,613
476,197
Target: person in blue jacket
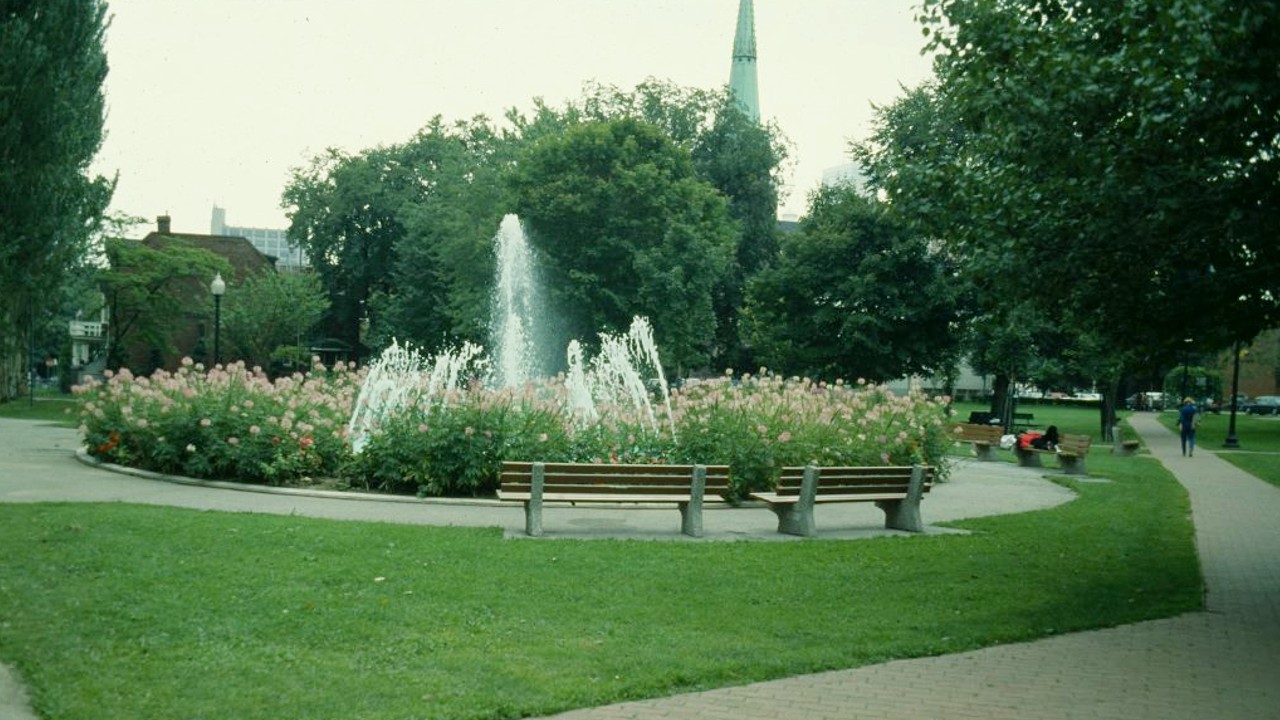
x,y
1188,421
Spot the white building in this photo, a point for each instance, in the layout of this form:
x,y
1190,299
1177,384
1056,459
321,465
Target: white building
x,y
268,241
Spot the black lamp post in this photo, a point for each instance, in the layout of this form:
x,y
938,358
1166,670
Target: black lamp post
x,y
1232,441
219,288
1186,360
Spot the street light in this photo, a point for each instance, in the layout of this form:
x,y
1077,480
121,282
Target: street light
x,y
1186,360
219,288
1232,441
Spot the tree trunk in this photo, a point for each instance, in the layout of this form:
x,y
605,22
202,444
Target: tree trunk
x,y
13,354
1000,399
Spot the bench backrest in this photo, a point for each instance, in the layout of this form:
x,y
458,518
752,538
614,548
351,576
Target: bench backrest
x,y
592,479
854,480
1075,443
972,432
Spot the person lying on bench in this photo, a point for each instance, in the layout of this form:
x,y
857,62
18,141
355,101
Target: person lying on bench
x,y
1047,441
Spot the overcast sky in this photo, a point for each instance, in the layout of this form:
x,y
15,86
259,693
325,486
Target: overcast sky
x,y
214,101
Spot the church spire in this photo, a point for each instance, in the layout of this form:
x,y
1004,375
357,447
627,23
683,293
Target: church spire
x,y
742,75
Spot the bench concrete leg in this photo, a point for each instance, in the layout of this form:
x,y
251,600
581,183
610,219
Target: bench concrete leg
x,y
1072,464
793,519
691,512
533,506
985,452
905,514
1128,447
1028,459
797,518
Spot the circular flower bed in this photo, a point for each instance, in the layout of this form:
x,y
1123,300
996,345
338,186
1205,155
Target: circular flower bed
x,y
236,423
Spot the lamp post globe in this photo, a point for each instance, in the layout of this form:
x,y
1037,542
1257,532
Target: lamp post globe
x,y
219,288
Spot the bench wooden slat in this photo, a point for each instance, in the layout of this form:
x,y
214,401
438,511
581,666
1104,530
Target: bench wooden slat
x,y
616,498
983,439
687,486
588,491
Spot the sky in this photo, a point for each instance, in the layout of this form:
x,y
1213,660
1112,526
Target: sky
x,y
214,102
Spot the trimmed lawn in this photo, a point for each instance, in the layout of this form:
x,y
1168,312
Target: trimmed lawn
x,y
1258,436
57,408
120,611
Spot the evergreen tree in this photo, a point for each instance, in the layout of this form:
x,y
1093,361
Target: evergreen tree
x,y
52,66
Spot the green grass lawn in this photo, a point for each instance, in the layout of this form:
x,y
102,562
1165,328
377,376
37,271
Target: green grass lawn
x,y
1258,437
120,611
53,407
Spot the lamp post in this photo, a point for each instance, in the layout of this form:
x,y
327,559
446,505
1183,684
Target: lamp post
x,y
1232,441
219,288
1186,360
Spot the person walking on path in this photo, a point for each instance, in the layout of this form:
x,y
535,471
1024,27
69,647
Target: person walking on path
x,y
1188,421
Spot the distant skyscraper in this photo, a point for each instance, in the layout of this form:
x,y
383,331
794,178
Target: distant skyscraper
x,y
742,75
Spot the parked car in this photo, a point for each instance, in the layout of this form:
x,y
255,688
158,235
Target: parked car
x,y
1263,405
1145,401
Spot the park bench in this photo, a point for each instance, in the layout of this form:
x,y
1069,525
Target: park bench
x,y
689,487
895,490
984,439
1023,421
1120,446
1071,453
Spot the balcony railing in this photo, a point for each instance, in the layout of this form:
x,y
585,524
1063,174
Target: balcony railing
x,y
87,330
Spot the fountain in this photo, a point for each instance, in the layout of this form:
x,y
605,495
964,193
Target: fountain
x,y
623,372
516,308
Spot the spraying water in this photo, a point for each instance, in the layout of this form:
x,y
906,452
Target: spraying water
x,y
402,377
516,308
627,371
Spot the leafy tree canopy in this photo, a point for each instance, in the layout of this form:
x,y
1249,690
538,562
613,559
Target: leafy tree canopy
x,y
855,293
147,290
627,229
271,316
1125,151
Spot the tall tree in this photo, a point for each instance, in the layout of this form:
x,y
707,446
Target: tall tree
x,y
443,276
739,157
148,290
270,318
52,66
855,293
400,234
1131,144
627,229
345,212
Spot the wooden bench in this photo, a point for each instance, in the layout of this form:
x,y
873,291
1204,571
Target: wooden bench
x,y
689,487
1071,453
895,490
984,439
